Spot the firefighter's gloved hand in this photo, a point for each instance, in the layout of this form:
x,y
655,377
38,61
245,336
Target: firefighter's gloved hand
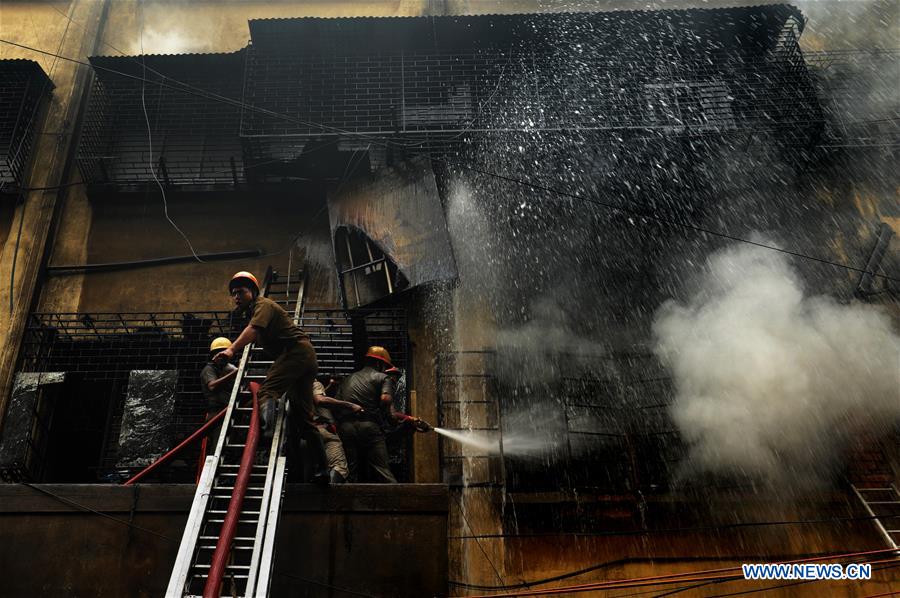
x,y
419,424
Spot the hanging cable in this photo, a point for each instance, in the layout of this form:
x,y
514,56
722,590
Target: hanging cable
x,y
162,191
484,553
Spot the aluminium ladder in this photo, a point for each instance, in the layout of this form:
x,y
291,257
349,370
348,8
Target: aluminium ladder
x,y
248,570
883,506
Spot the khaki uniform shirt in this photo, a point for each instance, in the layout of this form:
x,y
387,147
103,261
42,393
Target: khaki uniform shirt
x,y
277,330
365,388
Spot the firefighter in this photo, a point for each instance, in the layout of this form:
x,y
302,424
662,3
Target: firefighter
x,y
217,381
293,371
362,430
217,377
325,405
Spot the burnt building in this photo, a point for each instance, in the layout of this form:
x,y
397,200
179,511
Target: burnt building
x,y
500,200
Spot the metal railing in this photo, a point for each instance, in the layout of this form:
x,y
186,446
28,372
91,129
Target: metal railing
x,y
103,348
605,428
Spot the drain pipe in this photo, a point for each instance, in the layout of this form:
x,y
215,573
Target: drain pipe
x,y
160,261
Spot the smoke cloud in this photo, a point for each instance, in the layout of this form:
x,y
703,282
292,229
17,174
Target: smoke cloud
x,y
771,382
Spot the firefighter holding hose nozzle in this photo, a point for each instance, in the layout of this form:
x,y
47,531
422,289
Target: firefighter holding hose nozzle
x,y
419,424
362,431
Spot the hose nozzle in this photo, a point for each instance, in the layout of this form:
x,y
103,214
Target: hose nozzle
x,y
421,425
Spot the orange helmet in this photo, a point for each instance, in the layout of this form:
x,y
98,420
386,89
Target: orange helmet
x,y
393,370
244,279
379,353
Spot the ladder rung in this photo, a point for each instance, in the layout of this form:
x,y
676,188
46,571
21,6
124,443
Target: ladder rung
x,y
246,496
221,512
247,521
229,466
231,489
213,547
874,489
252,377
883,502
236,538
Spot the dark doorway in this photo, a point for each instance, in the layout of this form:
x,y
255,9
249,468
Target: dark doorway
x,y
80,424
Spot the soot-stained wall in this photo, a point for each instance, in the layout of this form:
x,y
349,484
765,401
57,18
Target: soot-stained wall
x,y
400,210
283,225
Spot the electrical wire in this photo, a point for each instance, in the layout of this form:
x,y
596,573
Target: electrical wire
x,y
462,512
88,509
162,191
805,581
133,526
716,575
769,588
388,143
674,530
625,561
34,112
641,214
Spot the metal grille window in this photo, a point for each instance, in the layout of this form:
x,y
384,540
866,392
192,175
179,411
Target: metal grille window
x,y
606,430
193,130
858,87
99,351
367,274
701,107
24,88
439,83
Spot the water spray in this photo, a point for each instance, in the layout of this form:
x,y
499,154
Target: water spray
x,y
513,443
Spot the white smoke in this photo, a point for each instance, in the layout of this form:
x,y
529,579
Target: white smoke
x,y
770,382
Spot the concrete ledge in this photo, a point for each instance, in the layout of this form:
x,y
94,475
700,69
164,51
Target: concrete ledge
x,y
146,498
357,538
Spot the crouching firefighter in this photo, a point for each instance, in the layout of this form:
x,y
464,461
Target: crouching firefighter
x,y
216,382
293,371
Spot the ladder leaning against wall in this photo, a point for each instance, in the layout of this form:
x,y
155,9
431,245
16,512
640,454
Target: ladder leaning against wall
x,y
228,544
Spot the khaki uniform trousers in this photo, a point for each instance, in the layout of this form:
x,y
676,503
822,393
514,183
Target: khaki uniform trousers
x,y
293,372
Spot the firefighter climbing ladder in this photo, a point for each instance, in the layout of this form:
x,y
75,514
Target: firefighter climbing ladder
x,y
228,544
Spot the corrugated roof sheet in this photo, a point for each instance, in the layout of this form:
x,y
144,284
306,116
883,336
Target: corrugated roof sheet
x,y
21,69
758,23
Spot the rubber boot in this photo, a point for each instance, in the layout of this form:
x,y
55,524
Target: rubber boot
x,y
335,478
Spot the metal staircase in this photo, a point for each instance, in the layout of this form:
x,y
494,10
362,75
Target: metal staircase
x,y
228,544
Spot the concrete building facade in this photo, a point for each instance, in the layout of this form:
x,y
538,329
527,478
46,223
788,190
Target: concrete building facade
x,y
339,138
